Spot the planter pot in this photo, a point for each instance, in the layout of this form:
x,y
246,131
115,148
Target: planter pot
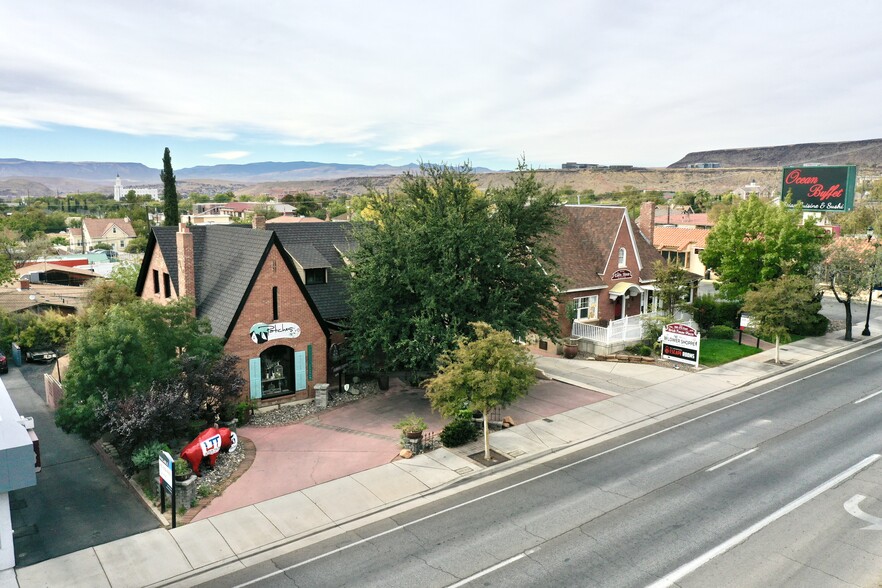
x,y
413,434
570,351
383,381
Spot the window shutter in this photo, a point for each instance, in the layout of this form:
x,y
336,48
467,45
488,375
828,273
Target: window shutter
x,y
255,377
299,371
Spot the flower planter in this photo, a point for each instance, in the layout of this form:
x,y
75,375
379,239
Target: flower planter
x,y
570,350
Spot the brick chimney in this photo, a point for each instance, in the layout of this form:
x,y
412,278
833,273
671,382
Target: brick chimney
x,y
646,220
258,222
186,264
24,284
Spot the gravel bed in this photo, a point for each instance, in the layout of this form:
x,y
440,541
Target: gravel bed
x,y
291,413
225,466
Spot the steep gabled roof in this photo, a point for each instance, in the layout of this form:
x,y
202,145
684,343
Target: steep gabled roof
x,y
327,240
584,243
97,227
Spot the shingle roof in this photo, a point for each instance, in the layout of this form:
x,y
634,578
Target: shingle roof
x,y
226,259
307,256
98,226
327,239
679,238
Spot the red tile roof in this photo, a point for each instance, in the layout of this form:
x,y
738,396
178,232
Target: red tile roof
x,y
679,238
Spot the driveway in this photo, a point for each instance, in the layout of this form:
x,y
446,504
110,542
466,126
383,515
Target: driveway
x,y
77,502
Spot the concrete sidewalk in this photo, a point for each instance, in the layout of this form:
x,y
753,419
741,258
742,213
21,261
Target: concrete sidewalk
x,y
637,395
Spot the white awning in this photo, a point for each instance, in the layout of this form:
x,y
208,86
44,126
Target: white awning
x,y
626,289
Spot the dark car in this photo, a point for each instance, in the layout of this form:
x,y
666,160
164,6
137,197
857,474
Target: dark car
x,y
4,365
40,355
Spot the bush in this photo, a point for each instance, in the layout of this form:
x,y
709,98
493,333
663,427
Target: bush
x,y
709,310
243,412
458,432
642,350
721,332
148,454
813,326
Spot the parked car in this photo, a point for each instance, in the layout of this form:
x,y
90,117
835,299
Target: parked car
x,y
4,365
40,355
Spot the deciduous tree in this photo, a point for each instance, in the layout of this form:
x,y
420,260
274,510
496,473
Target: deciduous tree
x,y
849,265
490,371
779,303
758,241
439,254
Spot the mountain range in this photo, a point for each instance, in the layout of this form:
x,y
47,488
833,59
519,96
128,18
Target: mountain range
x,y
268,171
867,153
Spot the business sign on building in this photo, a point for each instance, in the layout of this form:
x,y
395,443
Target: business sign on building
x,y
820,188
262,332
680,343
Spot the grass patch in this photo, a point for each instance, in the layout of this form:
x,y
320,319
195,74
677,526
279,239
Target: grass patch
x,y
716,352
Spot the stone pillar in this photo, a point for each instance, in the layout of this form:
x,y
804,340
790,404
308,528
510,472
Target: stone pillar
x,y
321,396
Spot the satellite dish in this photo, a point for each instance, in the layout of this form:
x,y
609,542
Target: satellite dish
x,y
346,387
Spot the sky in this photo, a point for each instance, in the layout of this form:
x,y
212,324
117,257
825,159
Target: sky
x,y
609,82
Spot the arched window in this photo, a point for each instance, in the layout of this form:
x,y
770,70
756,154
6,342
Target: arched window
x,y
623,257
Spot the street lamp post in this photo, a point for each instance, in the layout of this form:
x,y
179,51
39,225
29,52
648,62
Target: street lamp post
x,y
866,331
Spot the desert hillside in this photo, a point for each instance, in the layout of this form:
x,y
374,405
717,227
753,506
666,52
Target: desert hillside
x,y
862,153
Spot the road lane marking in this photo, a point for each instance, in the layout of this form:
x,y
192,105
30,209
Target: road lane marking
x,y
688,568
852,508
489,570
868,397
548,473
730,460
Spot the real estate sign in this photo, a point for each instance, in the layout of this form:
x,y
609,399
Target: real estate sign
x,y
680,343
820,188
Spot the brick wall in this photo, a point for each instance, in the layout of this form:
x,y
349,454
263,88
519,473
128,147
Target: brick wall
x,y
157,262
258,308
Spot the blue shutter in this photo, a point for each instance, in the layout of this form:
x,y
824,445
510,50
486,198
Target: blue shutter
x,y
255,377
299,371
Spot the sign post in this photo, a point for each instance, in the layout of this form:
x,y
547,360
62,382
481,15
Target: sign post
x,y
167,484
680,343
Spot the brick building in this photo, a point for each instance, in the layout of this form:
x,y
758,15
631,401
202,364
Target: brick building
x,y
606,265
271,294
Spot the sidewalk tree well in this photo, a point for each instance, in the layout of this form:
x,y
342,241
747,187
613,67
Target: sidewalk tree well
x,y
779,303
848,264
438,254
121,350
490,371
757,241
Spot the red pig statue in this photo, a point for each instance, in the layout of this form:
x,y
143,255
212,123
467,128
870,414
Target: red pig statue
x,y
208,444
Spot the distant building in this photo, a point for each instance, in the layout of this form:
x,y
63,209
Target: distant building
x,y
115,232
119,191
703,165
574,165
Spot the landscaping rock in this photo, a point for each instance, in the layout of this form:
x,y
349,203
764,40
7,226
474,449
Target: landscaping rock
x,y
405,453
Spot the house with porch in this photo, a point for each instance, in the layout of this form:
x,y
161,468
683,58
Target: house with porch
x,y
606,262
270,293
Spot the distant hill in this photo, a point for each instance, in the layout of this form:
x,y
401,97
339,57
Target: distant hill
x,y
866,153
248,172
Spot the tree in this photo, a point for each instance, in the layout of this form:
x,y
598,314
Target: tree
x,y
169,191
439,254
849,265
122,349
779,303
672,285
757,241
7,268
488,372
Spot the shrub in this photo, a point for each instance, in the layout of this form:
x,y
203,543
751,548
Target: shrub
x,y
148,454
709,310
243,412
182,467
720,332
813,326
642,350
459,432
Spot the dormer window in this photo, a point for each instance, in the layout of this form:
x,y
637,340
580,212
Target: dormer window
x,y
316,276
623,257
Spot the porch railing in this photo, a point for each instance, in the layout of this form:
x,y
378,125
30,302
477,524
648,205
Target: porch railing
x,y
629,328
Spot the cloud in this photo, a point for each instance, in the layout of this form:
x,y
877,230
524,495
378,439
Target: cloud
x,y
229,155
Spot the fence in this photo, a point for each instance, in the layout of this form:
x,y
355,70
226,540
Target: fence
x,y
629,328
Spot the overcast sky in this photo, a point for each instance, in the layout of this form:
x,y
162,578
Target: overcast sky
x,y
401,81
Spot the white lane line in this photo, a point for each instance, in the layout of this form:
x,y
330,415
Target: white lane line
x,y
686,569
501,564
545,474
868,397
730,460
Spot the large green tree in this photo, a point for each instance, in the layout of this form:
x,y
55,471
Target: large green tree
x,y
490,371
119,350
169,191
438,254
757,241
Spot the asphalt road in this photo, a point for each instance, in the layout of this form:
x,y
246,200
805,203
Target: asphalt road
x,y
642,508
78,502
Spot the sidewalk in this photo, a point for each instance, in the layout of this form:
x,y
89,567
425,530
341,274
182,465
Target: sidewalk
x,y
630,397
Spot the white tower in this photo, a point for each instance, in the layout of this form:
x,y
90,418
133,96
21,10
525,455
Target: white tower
x,y
117,189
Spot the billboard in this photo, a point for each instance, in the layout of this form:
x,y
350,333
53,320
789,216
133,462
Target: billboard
x,y
820,188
